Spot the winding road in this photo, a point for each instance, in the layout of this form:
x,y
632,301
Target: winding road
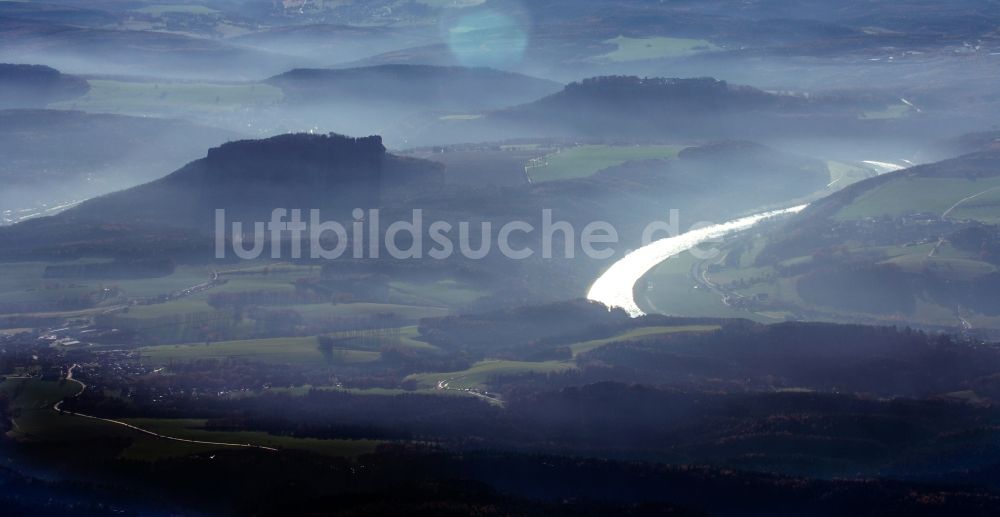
x,y
58,408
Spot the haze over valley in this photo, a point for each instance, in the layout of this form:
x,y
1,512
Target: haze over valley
x,y
498,257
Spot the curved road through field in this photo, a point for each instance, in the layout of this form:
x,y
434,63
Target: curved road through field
x,y
69,377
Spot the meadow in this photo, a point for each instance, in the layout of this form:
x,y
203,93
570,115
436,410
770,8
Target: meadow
x,y
479,374
583,161
292,350
152,98
670,289
927,195
636,334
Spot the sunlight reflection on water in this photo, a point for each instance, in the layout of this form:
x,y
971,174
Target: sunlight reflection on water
x,y
614,287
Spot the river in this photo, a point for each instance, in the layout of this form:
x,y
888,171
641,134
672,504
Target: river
x,y
615,286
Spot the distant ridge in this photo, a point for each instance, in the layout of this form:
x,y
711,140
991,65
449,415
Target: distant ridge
x,y
30,86
433,87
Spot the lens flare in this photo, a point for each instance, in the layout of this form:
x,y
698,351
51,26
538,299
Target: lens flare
x,y
487,38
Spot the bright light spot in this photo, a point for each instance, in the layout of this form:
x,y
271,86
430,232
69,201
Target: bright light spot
x,y
487,38
614,287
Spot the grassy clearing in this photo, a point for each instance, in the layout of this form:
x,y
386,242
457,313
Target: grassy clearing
x,y
43,294
443,293
179,307
671,290
587,346
409,337
583,161
410,312
183,277
953,268
25,282
283,282
910,195
154,98
985,208
21,276
638,49
477,376
293,350
890,112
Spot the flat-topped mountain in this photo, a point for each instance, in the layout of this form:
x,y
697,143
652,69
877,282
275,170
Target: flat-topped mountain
x,y
695,94
703,108
30,86
249,178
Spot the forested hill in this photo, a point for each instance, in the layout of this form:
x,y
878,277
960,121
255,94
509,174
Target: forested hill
x,y
629,106
688,95
29,86
249,178
431,87
919,245
970,168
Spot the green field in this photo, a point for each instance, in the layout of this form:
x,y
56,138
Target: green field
x,y
178,307
156,98
183,277
55,290
24,282
985,208
409,337
583,161
21,276
891,112
293,350
443,293
671,290
638,49
910,195
346,310
480,373
962,269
